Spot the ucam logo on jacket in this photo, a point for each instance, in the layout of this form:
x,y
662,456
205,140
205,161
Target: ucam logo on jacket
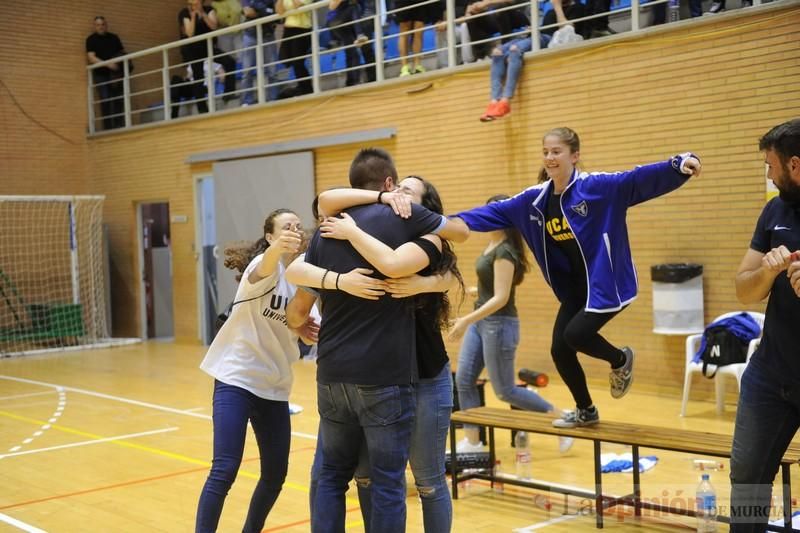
x,y
595,206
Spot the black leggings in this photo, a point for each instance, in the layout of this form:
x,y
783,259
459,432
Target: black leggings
x,y
576,330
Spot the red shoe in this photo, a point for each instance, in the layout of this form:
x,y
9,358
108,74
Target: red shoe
x,y
503,108
491,112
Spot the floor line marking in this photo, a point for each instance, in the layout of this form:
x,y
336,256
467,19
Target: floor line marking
x,y
155,406
552,521
141,480
93,441
20,525
26,395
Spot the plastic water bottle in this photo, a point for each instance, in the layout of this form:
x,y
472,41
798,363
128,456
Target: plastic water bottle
x,y
674,10
706,502
523,447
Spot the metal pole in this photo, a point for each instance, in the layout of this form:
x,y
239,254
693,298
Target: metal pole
x,y
165,84
314,52
212,104
535,37
73,254
90,101
451,33
259,63
126,87
635,15
378,41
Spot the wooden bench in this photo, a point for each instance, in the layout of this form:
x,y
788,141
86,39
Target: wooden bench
x,y
636,436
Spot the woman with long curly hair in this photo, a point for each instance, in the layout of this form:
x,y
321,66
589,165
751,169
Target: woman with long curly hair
x,y
250,360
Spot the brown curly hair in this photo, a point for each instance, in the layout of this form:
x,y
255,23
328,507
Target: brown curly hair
x,y
239,254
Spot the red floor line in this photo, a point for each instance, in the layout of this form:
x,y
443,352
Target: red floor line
x,y
128,483
300,522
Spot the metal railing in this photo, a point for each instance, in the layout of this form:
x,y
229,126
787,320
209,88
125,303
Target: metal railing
x,y
163,86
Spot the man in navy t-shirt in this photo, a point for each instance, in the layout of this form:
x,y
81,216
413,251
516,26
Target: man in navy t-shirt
x,y
366,362
768,415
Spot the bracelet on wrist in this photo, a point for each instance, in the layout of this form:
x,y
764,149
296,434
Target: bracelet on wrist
x,y
337,280
380,194
322,283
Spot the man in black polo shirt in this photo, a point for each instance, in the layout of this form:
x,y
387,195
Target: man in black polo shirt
x,y
366,361
100,46
768,415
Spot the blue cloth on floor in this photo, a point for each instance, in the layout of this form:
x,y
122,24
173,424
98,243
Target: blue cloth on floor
x,y
612,462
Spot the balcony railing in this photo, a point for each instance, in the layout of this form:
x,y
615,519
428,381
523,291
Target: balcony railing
x,y
165,85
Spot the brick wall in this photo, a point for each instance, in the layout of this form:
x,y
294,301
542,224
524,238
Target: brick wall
x,y
43,148
712,86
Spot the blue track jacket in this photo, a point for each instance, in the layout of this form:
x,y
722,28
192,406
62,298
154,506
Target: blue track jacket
x,y
595,206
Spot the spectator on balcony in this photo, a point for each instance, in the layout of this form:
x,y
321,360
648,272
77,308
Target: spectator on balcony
x,y
229,13
599,27
296,44
342,20
718,6
197,19
252,10
101,46
410,19
364,35
181,88
464,51
493,21
507,59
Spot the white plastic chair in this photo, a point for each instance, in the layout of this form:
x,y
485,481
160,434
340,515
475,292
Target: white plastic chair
x,y
736,370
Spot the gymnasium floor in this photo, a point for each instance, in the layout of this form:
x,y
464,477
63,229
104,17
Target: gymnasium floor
x,y
120,440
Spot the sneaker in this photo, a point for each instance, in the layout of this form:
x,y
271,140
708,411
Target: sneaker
x,y
419,69
578,418
716,7
489,114
565,443
465,446
405,71
295,409
603,32
361,39
503,108
621,378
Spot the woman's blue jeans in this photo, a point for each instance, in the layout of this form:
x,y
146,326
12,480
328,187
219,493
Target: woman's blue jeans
x,y
233,407
506,67
492,343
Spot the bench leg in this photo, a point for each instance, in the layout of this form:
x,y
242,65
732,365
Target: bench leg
x,y
598,485
491,454
787,495
453,460
637,487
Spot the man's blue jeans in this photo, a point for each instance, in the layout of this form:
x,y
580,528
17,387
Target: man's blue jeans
x,y
362,482
767,418
381,417
492,342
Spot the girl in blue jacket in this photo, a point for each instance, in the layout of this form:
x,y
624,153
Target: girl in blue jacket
x,y
574,223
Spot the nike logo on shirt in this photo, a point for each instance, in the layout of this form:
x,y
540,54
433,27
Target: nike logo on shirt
x,y
779,228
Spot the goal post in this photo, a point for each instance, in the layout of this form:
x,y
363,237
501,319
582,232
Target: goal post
x,y
52,274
